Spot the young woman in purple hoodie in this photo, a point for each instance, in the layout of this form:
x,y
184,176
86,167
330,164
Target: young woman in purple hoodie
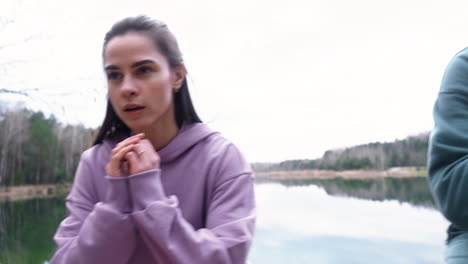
x,y
158,186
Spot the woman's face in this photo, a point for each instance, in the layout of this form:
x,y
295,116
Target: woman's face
x,y
140,82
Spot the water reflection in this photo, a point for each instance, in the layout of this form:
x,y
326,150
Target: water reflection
x,y
303,224
410,190
26,229
298,222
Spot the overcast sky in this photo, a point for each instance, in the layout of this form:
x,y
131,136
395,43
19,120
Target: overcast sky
x,y
281,79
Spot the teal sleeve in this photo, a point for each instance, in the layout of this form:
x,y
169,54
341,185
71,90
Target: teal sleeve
x,y
448,148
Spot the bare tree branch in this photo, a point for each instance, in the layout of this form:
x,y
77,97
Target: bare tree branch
x,y
20,92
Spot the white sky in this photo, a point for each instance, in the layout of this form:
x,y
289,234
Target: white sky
x,y
281,79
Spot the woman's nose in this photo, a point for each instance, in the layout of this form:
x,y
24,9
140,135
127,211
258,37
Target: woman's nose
x,y
129,87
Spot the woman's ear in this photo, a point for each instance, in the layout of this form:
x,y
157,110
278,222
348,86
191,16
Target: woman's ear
x,y
179,74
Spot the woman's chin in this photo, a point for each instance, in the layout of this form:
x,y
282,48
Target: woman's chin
x,y
136,127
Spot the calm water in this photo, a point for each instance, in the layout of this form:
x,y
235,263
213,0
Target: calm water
x,y
328,221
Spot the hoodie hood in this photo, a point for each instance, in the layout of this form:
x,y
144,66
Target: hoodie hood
x,y
188,136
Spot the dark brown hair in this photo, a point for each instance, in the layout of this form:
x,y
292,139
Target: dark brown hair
x,y
165,43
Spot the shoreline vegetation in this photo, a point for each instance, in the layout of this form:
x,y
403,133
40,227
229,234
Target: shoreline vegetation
x,y
398,172
26,192
39,156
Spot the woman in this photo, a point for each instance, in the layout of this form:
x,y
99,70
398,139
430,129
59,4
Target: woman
x,y
448,156
158,186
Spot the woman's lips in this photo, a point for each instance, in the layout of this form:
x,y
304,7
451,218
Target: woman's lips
x,y
133,109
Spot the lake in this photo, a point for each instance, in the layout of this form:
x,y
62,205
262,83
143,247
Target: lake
x,y
316,221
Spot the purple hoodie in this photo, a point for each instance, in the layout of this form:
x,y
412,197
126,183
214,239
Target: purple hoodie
x,y
199,207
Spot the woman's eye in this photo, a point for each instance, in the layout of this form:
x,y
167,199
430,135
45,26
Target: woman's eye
x,y
114,76
144,70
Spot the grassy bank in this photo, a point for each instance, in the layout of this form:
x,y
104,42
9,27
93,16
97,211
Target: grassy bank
x,y
400,172
25,192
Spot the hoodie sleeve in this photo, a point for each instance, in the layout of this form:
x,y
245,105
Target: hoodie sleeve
x,y
95,232
230,221
448,148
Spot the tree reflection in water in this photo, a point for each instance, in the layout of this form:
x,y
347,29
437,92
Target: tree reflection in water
x,y
26,229
414,191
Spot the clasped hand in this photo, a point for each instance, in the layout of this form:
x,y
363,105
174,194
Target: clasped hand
x,y
134,154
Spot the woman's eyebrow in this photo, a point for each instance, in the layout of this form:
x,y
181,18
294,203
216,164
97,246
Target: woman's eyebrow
x,y
136,64
111,67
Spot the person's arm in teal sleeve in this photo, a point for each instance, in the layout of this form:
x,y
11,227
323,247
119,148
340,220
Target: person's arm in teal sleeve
x,y
448,148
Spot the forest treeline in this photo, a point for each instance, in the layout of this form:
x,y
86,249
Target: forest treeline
x,y
35,149
411,151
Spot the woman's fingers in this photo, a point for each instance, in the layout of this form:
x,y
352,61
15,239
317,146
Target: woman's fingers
x,y
133,162
137,152
114,166
128,141
118,155
150,157
143,157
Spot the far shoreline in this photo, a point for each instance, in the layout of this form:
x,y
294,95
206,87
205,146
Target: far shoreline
x,y
26,192
397,172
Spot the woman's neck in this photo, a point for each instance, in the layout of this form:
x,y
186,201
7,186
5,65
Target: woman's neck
x,y
160,137
161,133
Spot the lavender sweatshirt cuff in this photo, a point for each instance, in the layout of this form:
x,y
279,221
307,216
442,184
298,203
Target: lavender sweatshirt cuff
x,y
117,195
146,188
